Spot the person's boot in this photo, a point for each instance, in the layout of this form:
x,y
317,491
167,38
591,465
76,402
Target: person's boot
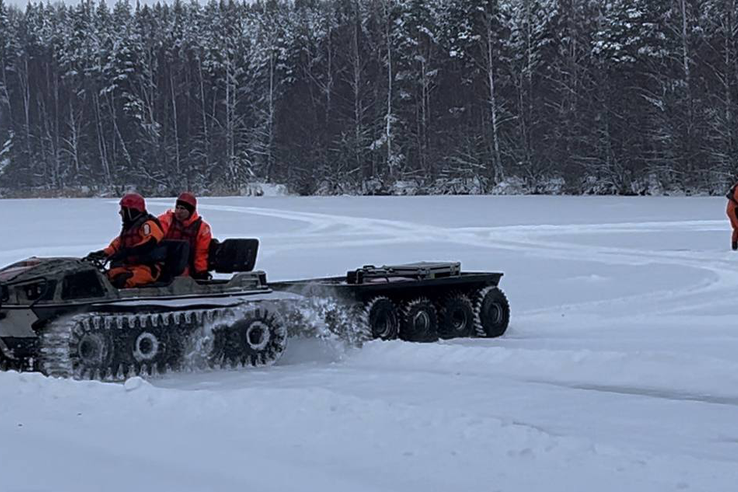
x,y
734,245
119,281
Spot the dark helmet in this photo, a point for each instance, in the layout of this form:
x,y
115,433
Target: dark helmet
x,y
134,201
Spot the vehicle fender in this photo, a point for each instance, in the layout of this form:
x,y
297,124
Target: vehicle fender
x,y
18,323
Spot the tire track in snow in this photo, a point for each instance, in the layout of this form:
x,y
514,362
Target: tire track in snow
x,y
362,231
655,374
648,392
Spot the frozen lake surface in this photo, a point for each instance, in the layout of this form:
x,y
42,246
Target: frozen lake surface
x,y
619,370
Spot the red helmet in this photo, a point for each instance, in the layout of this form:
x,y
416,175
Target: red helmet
x,y
133,201
188,198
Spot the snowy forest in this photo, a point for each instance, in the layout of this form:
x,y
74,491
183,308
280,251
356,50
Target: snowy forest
x,y
370,96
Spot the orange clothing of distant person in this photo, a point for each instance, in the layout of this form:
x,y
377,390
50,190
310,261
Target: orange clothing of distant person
x,y
138,271
196,232
731,211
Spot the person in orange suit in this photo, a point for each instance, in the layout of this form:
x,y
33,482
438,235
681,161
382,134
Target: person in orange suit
x,y
184,223
130,254
732,212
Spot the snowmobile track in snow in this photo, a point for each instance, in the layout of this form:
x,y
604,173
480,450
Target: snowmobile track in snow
x,y
647,392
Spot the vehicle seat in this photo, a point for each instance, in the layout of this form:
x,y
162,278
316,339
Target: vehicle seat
x,y
175,259
232,255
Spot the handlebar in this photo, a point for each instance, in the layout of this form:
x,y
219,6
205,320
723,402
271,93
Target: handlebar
x,y
99,263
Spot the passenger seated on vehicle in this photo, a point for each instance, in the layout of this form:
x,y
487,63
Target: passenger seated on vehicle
x,y
184,223
131,253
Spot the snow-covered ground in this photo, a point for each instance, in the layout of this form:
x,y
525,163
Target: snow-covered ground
x,y
619,370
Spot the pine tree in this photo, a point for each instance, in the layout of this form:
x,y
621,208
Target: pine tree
x,y
719,55
8,50
481,34
631,49
530,55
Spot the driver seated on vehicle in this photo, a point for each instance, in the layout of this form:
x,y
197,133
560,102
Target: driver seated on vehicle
x,y
130,253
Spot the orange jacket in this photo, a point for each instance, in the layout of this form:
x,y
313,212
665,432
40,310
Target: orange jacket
x,y
732,197
199,239
140,232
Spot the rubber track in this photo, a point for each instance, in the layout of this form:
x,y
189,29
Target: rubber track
x,y
55,342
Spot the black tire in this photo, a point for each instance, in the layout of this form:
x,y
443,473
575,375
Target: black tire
x,y
257,338
349,322
298,321
491,312
92,349
335,317
419,321
457,317
381,318
151,346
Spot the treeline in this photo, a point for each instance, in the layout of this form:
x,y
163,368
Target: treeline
x,y
370,96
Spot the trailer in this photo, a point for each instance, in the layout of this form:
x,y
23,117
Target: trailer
x,y
418,302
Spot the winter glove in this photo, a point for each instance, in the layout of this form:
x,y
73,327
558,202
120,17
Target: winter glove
x,y
96,256
123,255
734,245
116,257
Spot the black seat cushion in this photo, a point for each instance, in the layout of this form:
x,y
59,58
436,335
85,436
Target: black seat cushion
x,y
233,255
175,258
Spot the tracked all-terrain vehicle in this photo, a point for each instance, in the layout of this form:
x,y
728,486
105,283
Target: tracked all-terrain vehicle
x,y
63,317
417,302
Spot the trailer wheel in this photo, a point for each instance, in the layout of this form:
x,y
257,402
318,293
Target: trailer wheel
x,y
457,316
419,321
491,312
381,318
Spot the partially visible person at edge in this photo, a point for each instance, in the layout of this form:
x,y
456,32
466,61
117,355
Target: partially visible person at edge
x,y
130,253
732,212
184,223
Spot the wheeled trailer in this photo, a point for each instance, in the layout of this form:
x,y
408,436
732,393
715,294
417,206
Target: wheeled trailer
x,y
416,301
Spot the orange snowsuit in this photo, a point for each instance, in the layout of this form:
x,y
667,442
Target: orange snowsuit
x,y
196,232
732,212
137,269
